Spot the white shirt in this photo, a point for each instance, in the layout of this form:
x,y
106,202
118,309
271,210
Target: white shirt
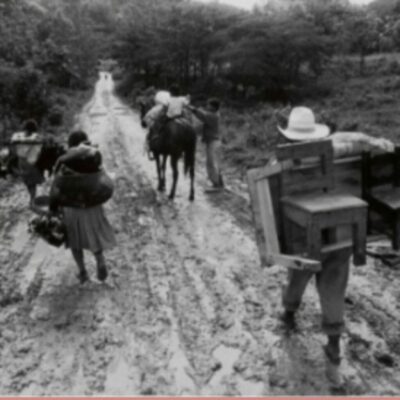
x,y
176,105
30,152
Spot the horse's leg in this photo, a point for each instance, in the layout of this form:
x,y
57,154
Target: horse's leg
x,y
157,158
175,174
163,169
191,172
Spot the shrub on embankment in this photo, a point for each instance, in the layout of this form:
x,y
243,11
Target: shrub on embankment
x,y
367,103
48,51
324,54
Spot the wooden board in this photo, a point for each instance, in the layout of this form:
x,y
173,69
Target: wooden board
x,y
265,224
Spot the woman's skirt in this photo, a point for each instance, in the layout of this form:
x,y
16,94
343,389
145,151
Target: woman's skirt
x,y
88,228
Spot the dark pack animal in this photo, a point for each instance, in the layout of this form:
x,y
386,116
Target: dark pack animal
x,y
50,153
170,138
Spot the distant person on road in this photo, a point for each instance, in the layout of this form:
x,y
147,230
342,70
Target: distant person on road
x,y
87,226
27,146
210,117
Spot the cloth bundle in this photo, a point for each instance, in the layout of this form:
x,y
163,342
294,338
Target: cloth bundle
x,y
49,228
80,181
347,144
27,147
73,189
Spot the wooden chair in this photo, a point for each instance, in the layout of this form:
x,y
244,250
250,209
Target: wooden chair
x,y
307,181
381,189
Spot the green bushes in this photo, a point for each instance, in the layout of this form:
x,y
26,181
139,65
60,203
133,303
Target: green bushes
x,y
23,93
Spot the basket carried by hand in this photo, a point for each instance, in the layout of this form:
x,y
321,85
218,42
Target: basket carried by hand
x,y
49,228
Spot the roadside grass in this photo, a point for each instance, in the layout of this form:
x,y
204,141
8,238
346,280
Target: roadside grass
x,y
347,101
68,103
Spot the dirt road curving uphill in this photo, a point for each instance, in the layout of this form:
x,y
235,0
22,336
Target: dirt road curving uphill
x,y
187,309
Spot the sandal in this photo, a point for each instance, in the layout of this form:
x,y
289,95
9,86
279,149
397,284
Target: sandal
x,y
102,273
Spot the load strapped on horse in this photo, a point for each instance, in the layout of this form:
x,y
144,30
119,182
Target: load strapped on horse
x,y
172,132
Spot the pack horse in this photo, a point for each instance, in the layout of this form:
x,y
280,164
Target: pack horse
x,y
171,138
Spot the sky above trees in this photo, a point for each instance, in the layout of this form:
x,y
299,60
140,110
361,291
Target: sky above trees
x,y
248,4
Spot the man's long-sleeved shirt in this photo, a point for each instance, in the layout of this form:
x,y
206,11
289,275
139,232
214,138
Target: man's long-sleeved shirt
x,y
211,124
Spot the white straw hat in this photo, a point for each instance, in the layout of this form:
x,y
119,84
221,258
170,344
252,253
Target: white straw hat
x,y
302,126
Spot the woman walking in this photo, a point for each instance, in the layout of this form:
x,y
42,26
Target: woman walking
x,y
87,226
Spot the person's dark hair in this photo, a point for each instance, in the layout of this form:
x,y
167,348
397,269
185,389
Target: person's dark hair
x,y
76,138
30,126
214,103
174,90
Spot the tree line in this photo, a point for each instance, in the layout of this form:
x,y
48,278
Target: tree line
x,y
47,48
275,52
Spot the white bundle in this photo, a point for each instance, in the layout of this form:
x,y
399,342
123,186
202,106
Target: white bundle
x,y
346,144
26,150
162,98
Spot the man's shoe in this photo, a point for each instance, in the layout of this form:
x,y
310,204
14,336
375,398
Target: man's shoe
x,y
332,355
333,372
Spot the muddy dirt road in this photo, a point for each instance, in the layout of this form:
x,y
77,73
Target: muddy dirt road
x,y
187,309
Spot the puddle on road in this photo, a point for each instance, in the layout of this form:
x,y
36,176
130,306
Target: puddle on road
x,y
118,381
20,237
249,388
40,254
228,356
179,364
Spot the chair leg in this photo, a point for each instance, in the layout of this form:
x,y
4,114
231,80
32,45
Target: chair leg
x,y
360,240
287,235
396,232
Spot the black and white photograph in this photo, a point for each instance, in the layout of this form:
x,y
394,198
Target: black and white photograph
x,y
199,198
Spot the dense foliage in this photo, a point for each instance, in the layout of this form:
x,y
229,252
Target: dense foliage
x,y
276,52
46,47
